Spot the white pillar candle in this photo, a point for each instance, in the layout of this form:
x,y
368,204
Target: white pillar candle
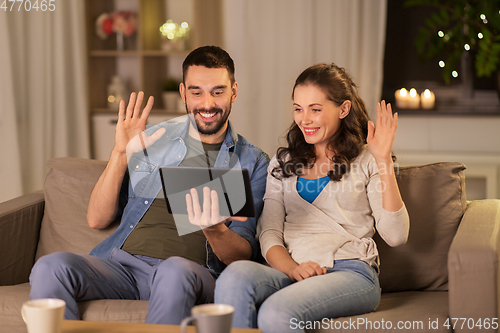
x,y
414,100
427,99
402,98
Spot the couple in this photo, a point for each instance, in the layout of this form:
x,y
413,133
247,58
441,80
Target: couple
x,y
316,238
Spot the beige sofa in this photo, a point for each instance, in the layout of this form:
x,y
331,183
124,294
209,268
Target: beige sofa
x,y
448,269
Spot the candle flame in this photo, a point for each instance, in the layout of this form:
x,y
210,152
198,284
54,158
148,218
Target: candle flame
x,y
427,93
413,92
403,92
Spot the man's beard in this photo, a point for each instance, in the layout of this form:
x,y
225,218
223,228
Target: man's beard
x,y
210,128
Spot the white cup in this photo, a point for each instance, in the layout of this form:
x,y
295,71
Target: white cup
x,y
44,315
210,318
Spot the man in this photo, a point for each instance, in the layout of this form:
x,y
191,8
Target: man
x,y
145,258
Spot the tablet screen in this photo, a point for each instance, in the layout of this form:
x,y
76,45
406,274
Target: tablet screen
x,y
232,186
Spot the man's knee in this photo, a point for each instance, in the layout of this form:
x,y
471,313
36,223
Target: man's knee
x,y
53,275
177,270
52,265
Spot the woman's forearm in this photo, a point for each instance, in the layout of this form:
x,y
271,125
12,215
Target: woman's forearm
x,y
279,258
391,197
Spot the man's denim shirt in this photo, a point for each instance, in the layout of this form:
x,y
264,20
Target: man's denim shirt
x,y
142,184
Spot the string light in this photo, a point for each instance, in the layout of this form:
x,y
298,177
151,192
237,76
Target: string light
x,y
440,34
454,74
441,64
480,36
467,47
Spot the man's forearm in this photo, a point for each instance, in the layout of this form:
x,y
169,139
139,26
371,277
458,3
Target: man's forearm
x,y
103,203
227,245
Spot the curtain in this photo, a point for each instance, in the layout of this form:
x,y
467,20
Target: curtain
x,y
44,93
10,162
272,42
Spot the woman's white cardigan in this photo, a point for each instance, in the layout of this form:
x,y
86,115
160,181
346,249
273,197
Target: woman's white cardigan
x,y
340,222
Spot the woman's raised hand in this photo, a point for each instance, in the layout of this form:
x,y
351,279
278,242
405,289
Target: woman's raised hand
x,y
129,135
380,139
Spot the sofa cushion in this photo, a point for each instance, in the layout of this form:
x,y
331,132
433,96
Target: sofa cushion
x,y
67,191
117,310
411,311
11,301
13,297
434,195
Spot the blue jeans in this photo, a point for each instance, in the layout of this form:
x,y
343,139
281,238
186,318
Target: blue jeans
x,y
172,286
266,298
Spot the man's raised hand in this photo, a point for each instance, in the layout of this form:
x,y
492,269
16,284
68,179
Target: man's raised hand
x,y
130,136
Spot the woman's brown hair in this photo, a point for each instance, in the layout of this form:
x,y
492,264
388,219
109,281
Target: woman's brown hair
x,y
347,142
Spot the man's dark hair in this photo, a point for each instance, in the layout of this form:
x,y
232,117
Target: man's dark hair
x,y
210,57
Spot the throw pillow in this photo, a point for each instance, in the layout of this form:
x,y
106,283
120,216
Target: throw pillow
x,y
434,195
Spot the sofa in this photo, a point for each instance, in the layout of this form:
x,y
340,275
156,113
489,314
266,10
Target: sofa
x,y
447,270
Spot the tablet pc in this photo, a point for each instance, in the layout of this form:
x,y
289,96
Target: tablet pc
x,y
232,186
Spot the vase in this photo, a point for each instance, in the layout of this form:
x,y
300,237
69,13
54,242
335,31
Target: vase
x,y
120,41
171,101
116,92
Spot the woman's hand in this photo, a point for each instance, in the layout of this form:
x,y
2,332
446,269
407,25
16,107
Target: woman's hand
x,y
380,139
130,136
210,215
306,270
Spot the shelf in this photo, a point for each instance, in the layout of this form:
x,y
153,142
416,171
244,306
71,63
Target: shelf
x,y
143,64
113,53
153,111
163,53
452,111
136,53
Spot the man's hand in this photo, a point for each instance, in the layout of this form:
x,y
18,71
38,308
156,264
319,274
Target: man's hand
x,y
209,216
306,270
130,136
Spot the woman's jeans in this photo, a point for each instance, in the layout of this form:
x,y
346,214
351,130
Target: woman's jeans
x,y
267,298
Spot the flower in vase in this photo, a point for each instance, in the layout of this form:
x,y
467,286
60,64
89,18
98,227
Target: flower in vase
x,y
124,22
119,22
130,25
104,26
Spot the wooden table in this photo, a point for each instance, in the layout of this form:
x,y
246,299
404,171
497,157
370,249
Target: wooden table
x,y
80,326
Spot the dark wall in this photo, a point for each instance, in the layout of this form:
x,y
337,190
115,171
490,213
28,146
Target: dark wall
x,y
401,62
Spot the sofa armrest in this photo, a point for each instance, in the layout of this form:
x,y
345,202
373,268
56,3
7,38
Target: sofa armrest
x,y
473,264
20,221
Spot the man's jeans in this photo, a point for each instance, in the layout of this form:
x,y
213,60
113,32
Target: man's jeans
x,y
172,286
266,297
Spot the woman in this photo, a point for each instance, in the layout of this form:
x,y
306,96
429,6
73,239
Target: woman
x,y
326,191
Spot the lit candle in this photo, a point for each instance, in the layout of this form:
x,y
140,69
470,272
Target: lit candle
x,y
402,98
427,99
414,100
